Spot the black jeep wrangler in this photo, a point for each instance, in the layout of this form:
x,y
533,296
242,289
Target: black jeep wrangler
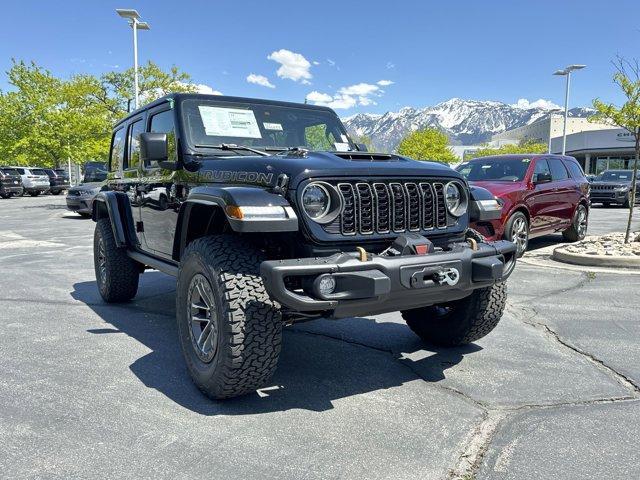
x,y
268,214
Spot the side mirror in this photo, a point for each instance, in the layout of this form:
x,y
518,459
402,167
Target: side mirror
x,y
154,148
542,178
362,147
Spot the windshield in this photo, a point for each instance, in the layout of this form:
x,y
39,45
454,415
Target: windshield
x,y
210,123
492,170
38,171
624,175
10,171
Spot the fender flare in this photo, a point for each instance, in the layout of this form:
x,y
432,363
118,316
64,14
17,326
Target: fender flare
x,y
117,207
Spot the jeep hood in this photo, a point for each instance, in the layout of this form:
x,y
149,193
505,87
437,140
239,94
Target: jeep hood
x,y
241,169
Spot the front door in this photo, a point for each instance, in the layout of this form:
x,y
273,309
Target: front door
x,y
160,193
542,198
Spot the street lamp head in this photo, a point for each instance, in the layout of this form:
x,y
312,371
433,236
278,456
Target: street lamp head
x,y
143,26
570,68
128,13
560,72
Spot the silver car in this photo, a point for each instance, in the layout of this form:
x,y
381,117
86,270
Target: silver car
x,y
34,180
80,198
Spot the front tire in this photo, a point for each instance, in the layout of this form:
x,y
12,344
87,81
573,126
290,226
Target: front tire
x,y
56,192
34,194
578,229
517,231
461,321
229,329
117,274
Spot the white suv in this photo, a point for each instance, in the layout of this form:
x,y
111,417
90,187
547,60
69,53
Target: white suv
x,y
34,180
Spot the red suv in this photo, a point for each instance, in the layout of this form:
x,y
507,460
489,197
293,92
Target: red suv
x,y
540,194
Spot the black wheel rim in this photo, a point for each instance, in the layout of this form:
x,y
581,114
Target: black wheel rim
x,y
520,234
582,222
102,261
201,315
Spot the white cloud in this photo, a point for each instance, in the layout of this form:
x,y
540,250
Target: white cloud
x,y
349,96
260,80
390,65
315,62
331,62
292,65
202,88
540,103
362,89
385,83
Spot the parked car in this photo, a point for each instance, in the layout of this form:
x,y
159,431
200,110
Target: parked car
x,y
10,182
58,180
613,187
34,180
94,172
80,198
540,194
265,222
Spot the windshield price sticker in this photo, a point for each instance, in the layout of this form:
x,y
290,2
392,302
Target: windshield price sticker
x,y
272,126
341,147
229,122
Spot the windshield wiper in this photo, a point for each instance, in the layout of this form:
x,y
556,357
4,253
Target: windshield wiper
x,y
233,147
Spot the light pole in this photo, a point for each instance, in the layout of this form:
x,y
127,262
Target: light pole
x,y
134,21
567,73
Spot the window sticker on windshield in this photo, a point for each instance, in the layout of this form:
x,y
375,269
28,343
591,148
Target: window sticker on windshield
x,y
229,122
341,147
526,160
272,126
345,139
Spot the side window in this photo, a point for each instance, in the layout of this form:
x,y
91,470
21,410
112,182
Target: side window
x,y
117,151
20,171
163,123
541,167
575,169
135,129
558,170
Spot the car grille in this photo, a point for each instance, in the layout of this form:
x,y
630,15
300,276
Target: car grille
x,y
389,206
604,187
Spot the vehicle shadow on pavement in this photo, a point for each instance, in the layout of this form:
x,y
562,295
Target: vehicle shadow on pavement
x,y
314,369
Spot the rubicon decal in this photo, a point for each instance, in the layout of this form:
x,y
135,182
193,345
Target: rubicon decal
x,y
258,178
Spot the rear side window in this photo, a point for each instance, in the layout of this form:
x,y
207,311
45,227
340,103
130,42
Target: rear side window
x,y
575,170
558,170
163,123
20,171
117,151
135,129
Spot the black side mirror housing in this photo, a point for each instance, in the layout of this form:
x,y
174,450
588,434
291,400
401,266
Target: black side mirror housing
x,y
362,147
154,148
542,178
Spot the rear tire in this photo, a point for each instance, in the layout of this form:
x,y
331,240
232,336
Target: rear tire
x,y
117,274
578,229
229,329
34,194
516,230
57,192
5,195
461,321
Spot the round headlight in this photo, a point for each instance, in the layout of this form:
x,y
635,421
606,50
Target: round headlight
x,y
455,199
316,201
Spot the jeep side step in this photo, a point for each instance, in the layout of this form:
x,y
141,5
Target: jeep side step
x,y
154,262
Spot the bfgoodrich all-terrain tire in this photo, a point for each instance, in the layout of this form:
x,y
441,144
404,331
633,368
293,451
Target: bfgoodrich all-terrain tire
x,y
117,274
462,321
230,330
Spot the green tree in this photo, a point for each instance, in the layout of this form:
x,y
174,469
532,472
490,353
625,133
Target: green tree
x,y
525,146
44,120
627,78
364,140
427,144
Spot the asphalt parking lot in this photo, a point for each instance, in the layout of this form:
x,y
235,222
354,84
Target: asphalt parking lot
x,y
93,390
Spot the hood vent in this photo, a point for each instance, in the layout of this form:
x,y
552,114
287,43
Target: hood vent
x,y
367,157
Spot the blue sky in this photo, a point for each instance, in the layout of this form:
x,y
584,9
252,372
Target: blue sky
x,y
343,53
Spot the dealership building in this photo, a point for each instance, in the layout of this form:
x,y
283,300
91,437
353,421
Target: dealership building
x,y
598,147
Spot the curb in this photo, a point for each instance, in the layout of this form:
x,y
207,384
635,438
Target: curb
x,y
595,260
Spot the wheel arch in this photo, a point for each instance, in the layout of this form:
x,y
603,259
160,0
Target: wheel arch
x,y
117,208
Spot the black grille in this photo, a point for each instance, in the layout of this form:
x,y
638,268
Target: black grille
x,y
384,207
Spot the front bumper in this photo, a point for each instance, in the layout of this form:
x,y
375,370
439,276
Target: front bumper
x,y
387,283
611,196
80,204
37,188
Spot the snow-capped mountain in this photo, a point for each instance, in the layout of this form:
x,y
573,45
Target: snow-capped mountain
x,y
466,122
